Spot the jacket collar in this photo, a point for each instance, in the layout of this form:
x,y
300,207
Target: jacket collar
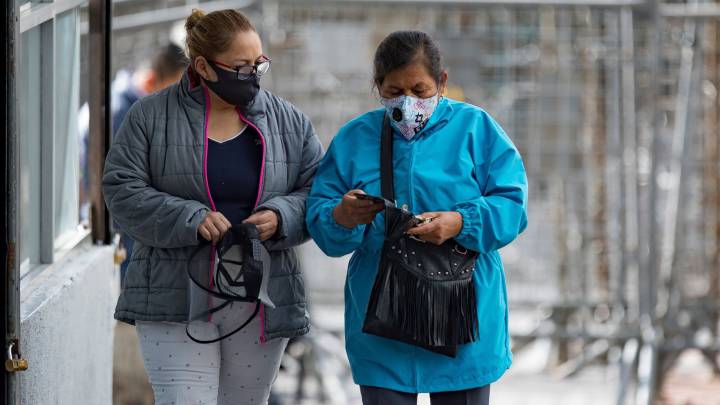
x,y
190,89
440,116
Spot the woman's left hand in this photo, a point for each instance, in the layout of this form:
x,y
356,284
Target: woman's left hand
x,y
266,222
444,226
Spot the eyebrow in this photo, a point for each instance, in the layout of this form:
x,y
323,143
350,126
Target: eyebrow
x,y
248,61
415,87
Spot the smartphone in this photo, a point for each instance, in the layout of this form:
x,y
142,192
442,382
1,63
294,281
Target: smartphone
x,y
369,198
422,220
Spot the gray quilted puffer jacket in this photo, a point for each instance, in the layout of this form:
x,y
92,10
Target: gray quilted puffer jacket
x,y
155,188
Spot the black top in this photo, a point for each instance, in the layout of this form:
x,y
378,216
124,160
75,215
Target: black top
x,y
233,170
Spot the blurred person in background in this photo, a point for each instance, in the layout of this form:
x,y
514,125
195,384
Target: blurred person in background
x,y
165,69
212,151
452,163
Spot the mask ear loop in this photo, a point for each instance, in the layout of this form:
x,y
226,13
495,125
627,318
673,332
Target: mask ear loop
x,y
208,64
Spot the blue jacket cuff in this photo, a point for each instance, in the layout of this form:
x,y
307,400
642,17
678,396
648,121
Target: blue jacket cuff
x,y
472,224
339,232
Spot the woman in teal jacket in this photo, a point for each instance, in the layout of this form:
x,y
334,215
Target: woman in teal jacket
x,y
452,162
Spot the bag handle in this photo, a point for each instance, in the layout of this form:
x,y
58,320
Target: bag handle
x,y
387,183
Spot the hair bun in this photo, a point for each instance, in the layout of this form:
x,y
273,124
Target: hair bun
x,y
194,19
215,31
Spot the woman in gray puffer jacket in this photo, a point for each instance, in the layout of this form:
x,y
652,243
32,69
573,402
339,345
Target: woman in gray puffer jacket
x,y
211,151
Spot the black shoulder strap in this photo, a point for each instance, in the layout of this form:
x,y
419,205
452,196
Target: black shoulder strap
x,y
386,161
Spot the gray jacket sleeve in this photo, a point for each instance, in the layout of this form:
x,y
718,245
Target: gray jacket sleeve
x,y
152,217
291,207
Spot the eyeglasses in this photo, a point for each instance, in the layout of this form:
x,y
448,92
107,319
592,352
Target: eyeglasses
x,y
245,72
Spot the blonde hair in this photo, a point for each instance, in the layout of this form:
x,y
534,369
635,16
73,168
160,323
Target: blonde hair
x,y
211,34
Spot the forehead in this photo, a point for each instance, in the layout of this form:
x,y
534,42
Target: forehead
x,y
245,47
408,77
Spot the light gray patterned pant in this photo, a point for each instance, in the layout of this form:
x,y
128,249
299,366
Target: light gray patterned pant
x,y
238,370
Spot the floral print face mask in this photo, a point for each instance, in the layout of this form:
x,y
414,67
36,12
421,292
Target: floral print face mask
x,y
408,114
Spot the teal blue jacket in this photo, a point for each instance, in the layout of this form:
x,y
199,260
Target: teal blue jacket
x,y
462,161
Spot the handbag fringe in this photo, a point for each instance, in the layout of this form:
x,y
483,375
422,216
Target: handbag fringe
x,y
434,313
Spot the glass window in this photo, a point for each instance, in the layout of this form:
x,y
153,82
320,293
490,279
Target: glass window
x,y
51,142
28,91
67,138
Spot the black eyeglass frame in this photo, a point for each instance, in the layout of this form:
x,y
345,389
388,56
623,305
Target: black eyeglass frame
x,y
256,69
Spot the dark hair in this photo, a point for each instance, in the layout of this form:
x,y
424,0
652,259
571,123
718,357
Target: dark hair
x,y
169,61
211,34
403,48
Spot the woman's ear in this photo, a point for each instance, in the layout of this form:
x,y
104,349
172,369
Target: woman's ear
x,y
442,86
202,67
377,87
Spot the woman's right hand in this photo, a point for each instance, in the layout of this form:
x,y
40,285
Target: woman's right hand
x,y
353,211
214,227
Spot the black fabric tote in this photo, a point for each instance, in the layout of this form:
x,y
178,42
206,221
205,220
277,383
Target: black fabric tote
x,y
423,294
240,272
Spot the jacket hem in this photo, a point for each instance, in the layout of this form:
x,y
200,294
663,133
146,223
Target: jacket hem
x,y
480,381
131,317
289,334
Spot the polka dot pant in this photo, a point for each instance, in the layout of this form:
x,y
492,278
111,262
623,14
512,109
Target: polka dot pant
x,y
238,370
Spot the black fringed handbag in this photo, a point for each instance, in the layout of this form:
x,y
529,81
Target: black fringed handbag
x,y
423,294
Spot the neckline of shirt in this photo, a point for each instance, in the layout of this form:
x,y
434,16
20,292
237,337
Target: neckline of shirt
x,y
231,138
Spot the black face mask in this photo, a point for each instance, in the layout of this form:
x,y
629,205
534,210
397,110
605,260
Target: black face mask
x,y
232,90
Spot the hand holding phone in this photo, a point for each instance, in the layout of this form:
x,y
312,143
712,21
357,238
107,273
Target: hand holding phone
x,y
357,208
367,197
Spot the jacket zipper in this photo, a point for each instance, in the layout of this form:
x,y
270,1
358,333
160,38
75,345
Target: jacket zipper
x,y
212,203
257,202
207,186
